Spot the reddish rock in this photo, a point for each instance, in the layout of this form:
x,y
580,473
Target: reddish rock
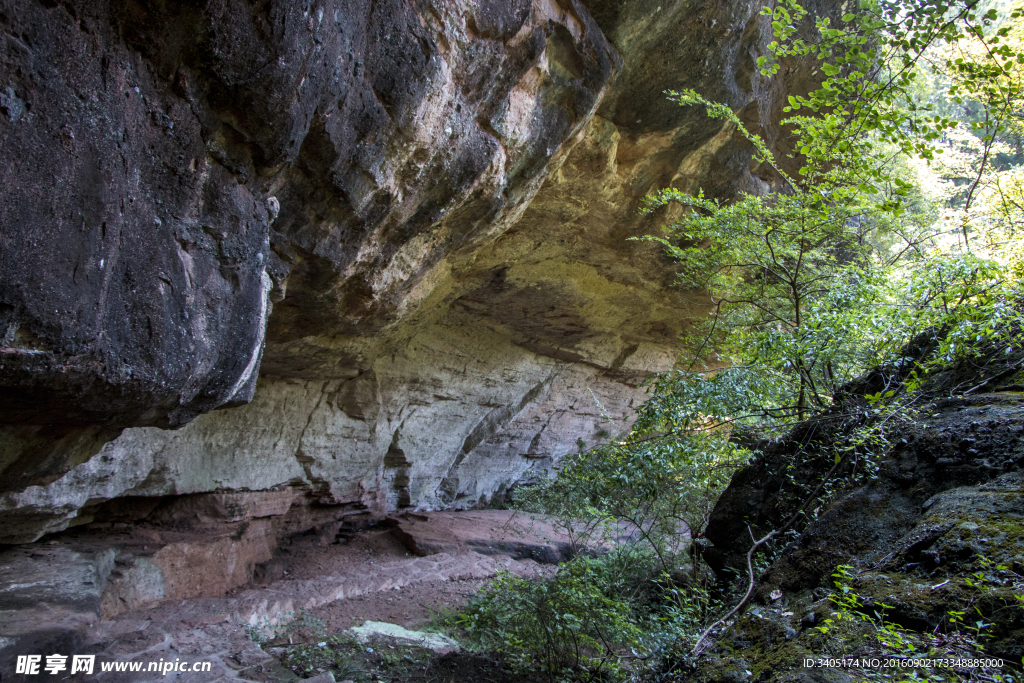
x,y
519,535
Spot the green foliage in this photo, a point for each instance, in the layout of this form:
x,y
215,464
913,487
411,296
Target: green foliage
x,y
963,637
872,63
969,304
852,266
337,653
640,603
349,659
656,485
782,271
836,274
444,619
576,623
908,77
610,617
305,646
796,323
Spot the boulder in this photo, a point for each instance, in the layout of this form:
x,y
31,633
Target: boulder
x,y
373,631
488,532
939,530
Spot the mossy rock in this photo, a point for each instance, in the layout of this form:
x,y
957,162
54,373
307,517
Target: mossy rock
x,y
940,531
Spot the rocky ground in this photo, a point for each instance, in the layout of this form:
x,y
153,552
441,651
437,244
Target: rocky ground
x,y
407,571
937,534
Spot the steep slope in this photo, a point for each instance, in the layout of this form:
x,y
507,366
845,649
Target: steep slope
x,y
879,571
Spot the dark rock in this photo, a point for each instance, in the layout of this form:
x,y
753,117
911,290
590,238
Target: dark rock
x,y
868,519
435,197
914,541
50,600
149,147
133,288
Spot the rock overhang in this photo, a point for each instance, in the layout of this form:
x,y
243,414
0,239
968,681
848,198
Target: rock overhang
x,y
439,196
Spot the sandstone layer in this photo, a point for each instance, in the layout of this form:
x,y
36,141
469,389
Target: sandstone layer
x,y
390,239
278,268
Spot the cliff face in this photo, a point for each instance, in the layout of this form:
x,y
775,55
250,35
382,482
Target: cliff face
x,y
408,220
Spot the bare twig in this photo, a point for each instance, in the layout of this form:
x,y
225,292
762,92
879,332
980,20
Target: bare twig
x,y
697,649
1005,373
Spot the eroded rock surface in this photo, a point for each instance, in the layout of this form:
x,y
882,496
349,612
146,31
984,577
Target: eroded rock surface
x,y
154,146
489,532
66,597
50,599
410,221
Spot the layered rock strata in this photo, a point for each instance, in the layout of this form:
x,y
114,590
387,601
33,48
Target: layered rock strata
x,y
408,220
130,601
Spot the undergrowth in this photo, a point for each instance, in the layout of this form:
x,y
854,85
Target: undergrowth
x,y
598,618
955,650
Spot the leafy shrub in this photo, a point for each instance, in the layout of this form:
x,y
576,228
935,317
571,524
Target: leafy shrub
x,y
582,622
